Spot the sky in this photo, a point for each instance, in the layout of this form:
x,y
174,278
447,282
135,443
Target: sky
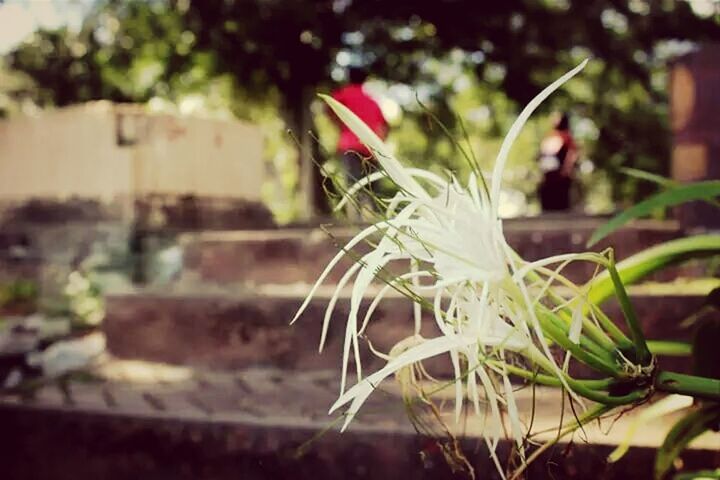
x,y
20,18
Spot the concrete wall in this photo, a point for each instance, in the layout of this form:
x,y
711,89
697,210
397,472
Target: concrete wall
x,y
199,156
105,151
68,152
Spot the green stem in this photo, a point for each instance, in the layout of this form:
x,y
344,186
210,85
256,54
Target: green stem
x,y
698,387
605,399
623,342
644,357
595,333
552,381
586,342
582,388
559,337
669,348
708,474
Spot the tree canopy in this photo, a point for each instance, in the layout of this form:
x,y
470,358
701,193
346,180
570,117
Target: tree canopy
x,y
447,53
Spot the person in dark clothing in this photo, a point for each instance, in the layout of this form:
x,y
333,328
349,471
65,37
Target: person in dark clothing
x,y
558,154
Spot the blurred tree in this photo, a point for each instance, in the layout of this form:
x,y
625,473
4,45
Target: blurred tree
x,y
276,49
519,46
124,52
17,91
280,53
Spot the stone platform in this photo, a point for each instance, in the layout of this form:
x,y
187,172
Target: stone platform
x,y
248,328
237,291
292,255
248,394
152,421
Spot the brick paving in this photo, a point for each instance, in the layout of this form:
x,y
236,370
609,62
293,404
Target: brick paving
x,y
156,421
269,396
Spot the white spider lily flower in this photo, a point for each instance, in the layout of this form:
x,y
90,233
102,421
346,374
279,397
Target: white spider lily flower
x,y
460,236
451,236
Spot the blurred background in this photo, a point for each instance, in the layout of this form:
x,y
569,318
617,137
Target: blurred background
x,y
464,61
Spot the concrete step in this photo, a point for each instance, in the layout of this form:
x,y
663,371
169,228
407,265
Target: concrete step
x,y
272,424
226,330
239,330
287,256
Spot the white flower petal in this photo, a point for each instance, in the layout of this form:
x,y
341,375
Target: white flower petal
x,y
333,300
362,390
394,168
517,127
513,413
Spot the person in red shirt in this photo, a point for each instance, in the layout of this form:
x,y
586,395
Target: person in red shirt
x,y
558,154
354,155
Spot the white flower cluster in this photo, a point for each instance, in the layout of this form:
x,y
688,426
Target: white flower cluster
x,y
450,236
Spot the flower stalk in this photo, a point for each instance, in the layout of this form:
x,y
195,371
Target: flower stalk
x,y
643,355
698,387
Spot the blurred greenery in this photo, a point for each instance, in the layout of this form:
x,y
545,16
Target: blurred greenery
x,y
19,294
264,60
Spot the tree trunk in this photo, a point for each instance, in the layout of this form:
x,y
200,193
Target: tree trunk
x,y
300,122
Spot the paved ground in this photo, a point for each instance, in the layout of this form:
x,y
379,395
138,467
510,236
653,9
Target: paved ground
x,y
272,415
271,396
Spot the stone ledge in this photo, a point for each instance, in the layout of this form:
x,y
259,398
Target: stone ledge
x,y
287,256
225,330
203,429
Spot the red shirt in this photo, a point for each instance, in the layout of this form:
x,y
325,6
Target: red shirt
x,y
360,103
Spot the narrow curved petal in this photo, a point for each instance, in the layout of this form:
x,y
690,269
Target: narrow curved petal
x,y
517,127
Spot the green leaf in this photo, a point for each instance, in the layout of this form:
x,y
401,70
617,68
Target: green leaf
x,y
666,406
698,475
650,177
683,432
670,348
675,196
660,180
642,264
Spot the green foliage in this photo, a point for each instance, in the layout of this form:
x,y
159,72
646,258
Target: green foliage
x,y
647,176
653,259
84,299
704,385
124,52
699,475
685,431
18,292
708,190
519,46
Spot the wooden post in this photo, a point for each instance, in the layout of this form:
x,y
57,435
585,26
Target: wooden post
x,y
695,119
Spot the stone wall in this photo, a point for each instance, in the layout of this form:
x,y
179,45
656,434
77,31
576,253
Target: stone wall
x,y
108,152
